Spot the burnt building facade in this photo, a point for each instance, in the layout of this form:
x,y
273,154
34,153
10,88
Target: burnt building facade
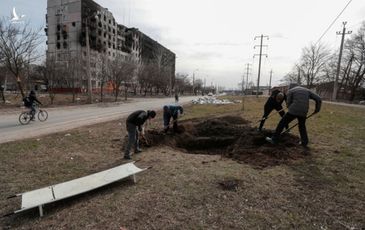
x,y
71,22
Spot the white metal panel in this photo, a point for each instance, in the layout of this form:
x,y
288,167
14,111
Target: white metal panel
x,y
36,197
88,183
39,197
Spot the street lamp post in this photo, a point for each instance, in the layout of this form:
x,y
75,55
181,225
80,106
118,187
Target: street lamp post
x,y
88,70
194,81
88,67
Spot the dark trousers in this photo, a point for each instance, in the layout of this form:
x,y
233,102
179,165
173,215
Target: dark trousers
x,y
267,111
132,138
32,108
166,121
285,120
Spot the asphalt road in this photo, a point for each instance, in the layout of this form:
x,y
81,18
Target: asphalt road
x,y
65,118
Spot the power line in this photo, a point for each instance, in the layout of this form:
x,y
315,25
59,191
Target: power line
x,y
329,27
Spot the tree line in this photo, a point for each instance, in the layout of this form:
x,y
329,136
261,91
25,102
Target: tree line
x,y
318,65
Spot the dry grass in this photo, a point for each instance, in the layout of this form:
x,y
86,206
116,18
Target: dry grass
x,y
182,191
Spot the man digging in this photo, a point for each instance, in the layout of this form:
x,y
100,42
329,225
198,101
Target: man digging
x,y
298,105
171,111
273,102
134,124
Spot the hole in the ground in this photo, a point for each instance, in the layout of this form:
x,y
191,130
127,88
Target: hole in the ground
x,y
230,136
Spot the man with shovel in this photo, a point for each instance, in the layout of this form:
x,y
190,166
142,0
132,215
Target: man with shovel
x,y
171,111
273,102
298,105
134,124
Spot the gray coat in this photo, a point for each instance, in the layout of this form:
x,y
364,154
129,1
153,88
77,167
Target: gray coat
x,y
298,101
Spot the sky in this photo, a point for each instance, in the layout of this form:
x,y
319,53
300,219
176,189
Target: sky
x,y
215,39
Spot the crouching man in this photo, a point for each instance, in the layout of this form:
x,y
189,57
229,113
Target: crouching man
x,y
134,124
171,111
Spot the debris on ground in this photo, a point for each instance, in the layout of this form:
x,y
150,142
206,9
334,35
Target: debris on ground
x,y
230,185
233,137
212,100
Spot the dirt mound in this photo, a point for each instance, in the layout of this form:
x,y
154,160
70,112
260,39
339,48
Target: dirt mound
x,y
230,136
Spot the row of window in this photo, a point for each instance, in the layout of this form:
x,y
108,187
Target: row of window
x,y
64,44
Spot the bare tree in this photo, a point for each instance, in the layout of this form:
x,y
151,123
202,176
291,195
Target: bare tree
x,y
198,86
103,73
313,62
355,69
121,73
51,75
182,83
3,73
72,75
18,45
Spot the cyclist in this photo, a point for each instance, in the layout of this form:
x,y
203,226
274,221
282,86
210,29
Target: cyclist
x,y
29,102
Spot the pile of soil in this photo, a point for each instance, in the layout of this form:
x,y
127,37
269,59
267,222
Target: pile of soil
x,y
233,137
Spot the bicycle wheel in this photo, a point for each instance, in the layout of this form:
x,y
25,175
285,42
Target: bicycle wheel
x,y
42,115
24,118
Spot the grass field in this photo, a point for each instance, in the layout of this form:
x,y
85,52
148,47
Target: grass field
x,y
324,190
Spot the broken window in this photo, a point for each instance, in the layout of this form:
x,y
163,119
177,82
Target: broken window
x,y
58,45
74,24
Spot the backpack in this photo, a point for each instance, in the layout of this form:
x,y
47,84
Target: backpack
x,y
27,102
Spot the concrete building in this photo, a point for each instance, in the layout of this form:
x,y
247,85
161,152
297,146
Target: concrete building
x,y
69,22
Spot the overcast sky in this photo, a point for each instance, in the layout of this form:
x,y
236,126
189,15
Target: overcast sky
x,y
216,37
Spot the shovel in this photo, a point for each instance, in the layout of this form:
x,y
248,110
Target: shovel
x,y
263,119
286,131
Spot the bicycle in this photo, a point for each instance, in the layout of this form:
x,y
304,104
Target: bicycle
x,y
26,117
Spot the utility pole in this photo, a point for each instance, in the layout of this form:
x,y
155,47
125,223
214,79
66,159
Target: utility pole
x,y
242,84
270,82
193,83
88,70
258,77
335,85
298,79
205,81
247,73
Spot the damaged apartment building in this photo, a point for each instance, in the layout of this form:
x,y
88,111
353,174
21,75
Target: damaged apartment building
x,y
68,24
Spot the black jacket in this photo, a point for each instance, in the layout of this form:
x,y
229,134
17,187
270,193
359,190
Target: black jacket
x,y
138,118
33,98
271,101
